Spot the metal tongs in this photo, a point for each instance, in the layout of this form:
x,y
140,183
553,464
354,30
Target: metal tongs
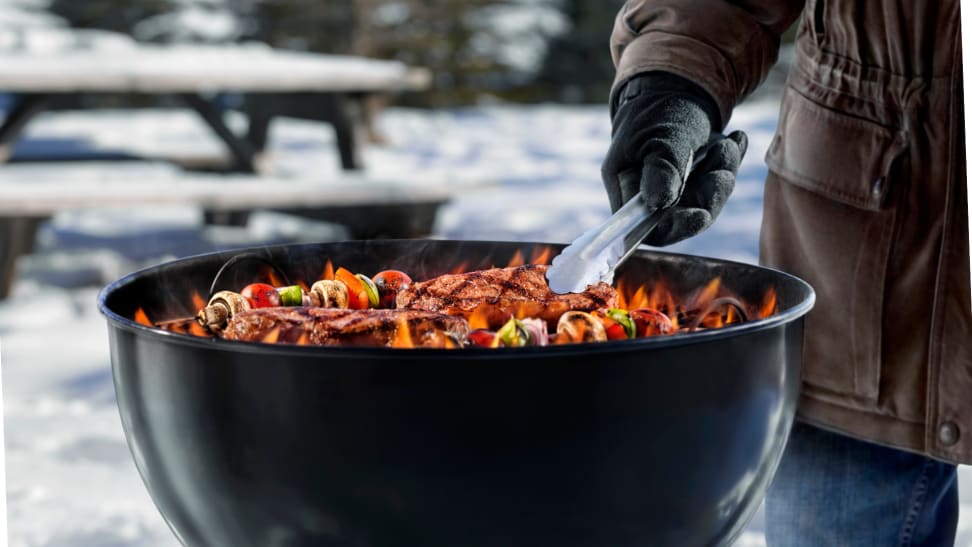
x,y
595,255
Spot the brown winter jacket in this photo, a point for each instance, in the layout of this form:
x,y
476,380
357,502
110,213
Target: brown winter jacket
x,y
866,197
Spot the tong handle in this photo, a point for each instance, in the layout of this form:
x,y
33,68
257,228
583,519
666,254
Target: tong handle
x,y
641,230
649,218
617,227
598,252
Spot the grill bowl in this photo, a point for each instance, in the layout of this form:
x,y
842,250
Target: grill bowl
x,y
654,441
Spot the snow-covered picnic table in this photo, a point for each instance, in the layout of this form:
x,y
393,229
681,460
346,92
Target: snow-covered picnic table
x,y
198,68
46,73
275,82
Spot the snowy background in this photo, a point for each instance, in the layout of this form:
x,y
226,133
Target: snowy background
x,y
70,478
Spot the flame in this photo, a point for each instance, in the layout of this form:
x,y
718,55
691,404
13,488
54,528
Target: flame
x,y
142,319
403,335
526,309
197,301
272,336
656,296
708,293
623,300
478,319
629,301
541,255
303,340
461,268
328,272
196,329
661,298
275,279
516,261
768,307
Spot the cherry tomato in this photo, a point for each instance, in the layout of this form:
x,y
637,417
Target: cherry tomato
x,y
357,293
650,322
389,282
482,338
261,295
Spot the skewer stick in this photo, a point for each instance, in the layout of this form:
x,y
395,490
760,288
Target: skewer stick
x,y
226,304
176,321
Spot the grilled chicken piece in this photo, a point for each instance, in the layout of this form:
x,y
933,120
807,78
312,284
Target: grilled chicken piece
x,y
494,295
345,327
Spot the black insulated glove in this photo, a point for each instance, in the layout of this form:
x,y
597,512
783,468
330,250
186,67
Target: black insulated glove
x,y
660,122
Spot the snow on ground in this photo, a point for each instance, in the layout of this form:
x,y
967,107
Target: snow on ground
x,y
70,477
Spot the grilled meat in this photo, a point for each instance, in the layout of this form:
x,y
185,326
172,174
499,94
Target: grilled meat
x,y
496,294
345,327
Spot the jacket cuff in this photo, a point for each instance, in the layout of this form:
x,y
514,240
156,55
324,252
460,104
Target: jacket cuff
x,y
657,82
662,51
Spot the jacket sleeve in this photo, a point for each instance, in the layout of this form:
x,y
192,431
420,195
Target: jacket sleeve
x,y
727,47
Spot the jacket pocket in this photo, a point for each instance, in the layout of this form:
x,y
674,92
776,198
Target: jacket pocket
x,y
837,155
826,220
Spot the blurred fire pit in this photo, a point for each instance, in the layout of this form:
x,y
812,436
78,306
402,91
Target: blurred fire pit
x,y
657,440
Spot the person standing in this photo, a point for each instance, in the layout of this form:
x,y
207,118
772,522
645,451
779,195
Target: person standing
x,y
866,199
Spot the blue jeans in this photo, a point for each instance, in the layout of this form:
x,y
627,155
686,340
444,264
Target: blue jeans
x,y
832,489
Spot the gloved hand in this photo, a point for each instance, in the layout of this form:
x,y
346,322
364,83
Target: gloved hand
x,y
659,123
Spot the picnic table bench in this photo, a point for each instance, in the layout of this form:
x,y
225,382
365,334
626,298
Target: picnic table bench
x,y
369,205
272,82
